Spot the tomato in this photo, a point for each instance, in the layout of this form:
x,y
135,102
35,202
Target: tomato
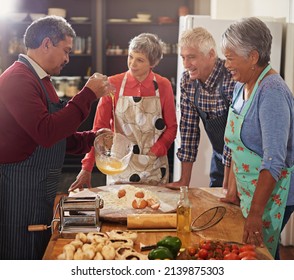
x,y
206,245
235,247
218,253
231,256
248,258
247,254
191,251
210,254
227,248
218,250
236,251
203,253
247,247
225,252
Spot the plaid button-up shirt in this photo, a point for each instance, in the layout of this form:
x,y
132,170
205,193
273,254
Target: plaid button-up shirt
x,y
210,101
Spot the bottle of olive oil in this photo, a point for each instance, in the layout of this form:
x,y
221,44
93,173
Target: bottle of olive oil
x,y
184,208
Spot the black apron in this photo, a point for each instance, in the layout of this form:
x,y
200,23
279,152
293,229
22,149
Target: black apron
x,y
27,193
215,129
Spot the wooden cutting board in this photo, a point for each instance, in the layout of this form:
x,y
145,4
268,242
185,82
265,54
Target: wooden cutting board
x,y
61,242
230,228
113,212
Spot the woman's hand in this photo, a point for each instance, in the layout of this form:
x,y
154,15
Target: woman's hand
x,y
253,225
253,230
82,181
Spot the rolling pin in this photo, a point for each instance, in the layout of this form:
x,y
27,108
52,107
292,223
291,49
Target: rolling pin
x,y
152,221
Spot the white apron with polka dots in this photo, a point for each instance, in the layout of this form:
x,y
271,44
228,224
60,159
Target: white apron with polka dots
x,y
140,119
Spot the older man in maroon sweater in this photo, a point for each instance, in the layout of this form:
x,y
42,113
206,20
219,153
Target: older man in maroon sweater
x,y
37,129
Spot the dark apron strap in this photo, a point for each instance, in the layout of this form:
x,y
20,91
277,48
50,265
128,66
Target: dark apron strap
x,y
202,114
215,127
61,103
30,189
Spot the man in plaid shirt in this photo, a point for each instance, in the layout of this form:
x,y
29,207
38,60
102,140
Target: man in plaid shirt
x,y
206,94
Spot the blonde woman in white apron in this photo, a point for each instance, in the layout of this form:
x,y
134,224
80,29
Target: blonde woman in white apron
x,y
142,109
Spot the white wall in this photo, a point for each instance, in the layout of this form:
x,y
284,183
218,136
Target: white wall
x,y
289,54
201,7
235,9
229,9
272,10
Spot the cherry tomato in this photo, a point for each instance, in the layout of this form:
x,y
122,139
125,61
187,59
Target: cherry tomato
x,y
191,251
231,256
206,245
235,247
249,258
225,252
248,254
236,251
209,254
227,248
203,253
247,247
218,252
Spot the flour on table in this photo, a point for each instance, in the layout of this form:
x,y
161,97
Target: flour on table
x,y
110,196
117,209
111,199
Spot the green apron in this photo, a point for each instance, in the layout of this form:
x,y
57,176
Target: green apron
x,y
246,169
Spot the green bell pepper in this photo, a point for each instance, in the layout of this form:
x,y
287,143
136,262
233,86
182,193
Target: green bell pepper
x,y
173,243
160,253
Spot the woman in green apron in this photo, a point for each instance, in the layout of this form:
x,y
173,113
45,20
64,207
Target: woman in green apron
x,y
259,134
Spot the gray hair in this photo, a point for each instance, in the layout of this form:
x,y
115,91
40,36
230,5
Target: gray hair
x,y
54,27
247,35
148,44
199,38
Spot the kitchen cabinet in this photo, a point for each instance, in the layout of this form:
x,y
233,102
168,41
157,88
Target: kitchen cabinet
x,y
82,16
121,24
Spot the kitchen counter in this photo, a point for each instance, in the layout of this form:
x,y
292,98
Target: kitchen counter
x,y
230,228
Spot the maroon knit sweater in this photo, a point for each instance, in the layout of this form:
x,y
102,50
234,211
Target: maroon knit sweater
x,y
25,122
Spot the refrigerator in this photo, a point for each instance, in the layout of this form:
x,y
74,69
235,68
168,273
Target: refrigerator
x,y
289,56
287,236
201,168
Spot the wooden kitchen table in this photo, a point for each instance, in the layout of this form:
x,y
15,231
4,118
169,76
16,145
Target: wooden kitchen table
x,y
230,228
